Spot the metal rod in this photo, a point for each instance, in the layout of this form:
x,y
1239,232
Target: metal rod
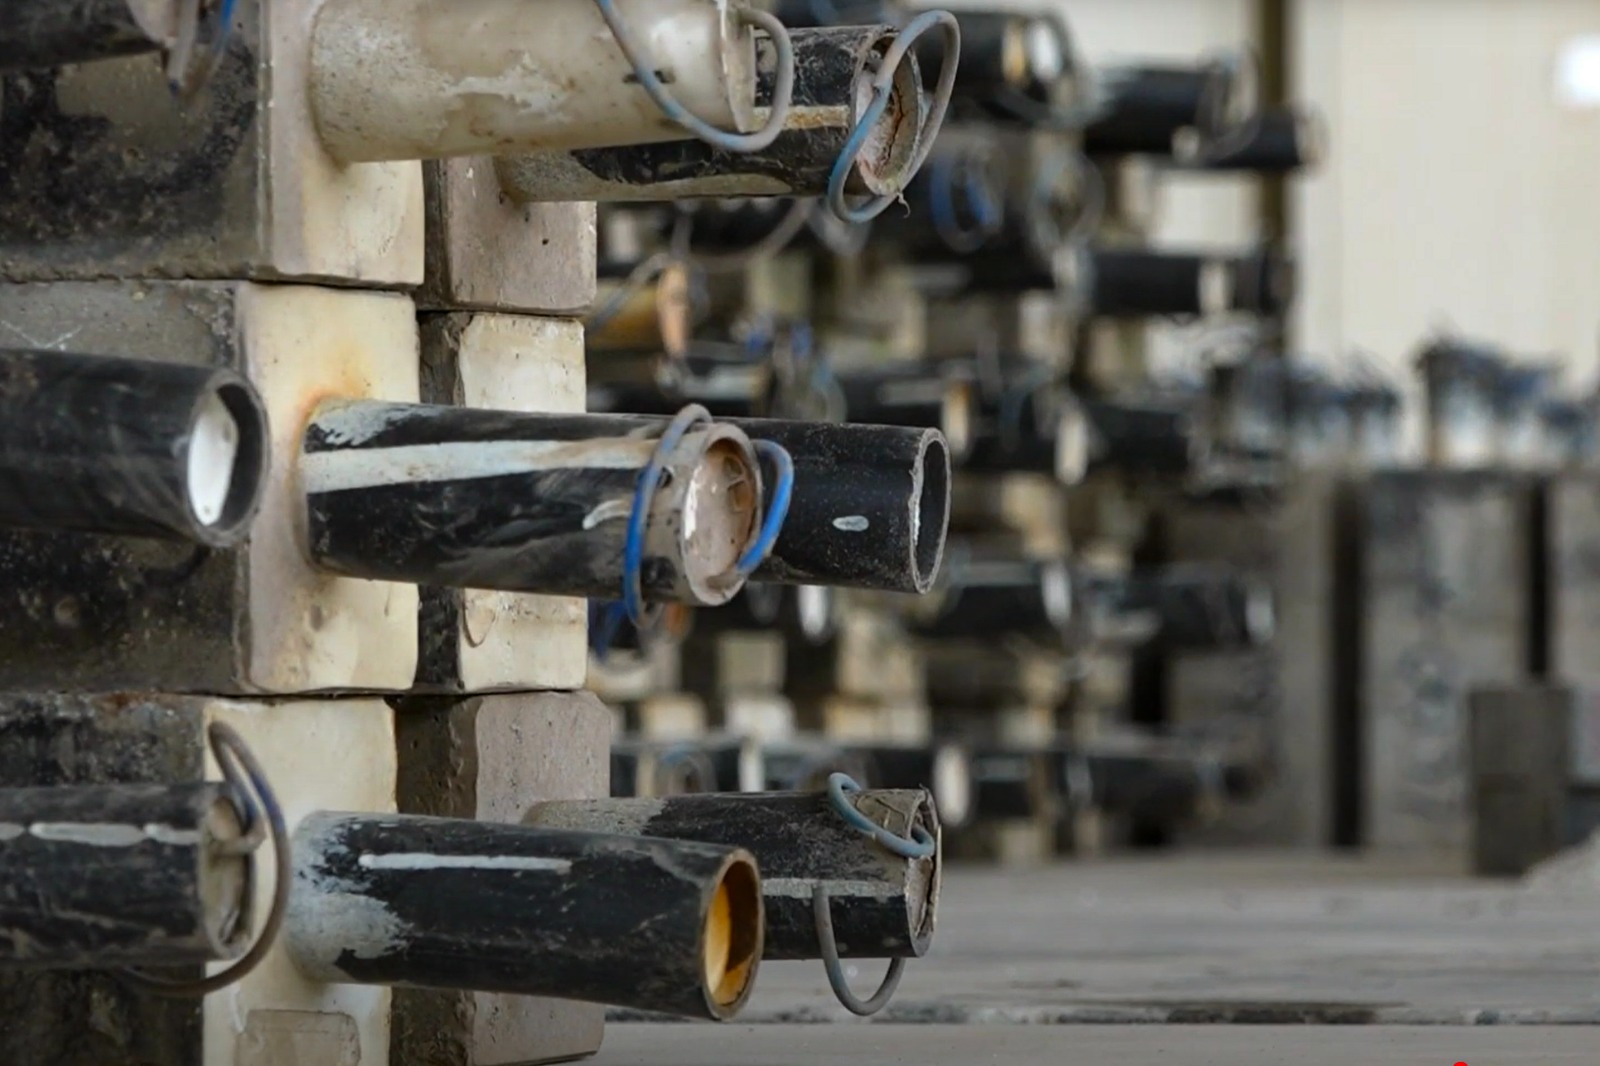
x,y
834,71
463,498
430,79
36,34
383,899
883,906
93,877
152,449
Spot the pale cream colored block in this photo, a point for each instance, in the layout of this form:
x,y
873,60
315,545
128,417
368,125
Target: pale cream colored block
x,y
310,631
318,755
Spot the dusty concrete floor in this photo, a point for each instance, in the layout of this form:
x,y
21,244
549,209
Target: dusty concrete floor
x,y
1256,940
1197,961
1094,1045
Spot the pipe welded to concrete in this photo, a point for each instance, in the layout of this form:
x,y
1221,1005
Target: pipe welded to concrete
x,y
883,905
122,875
429,79
464,498
124,446
834,73
383,899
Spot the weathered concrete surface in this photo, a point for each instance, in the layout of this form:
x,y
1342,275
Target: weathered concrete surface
x,y
1218,940
1116,1045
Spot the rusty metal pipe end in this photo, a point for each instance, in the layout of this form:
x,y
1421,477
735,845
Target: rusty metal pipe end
x,y
885,163
707,513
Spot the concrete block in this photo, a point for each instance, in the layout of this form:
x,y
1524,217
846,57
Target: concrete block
x,y
475,640
273,1017
1520,738
103,173
491,758
1572,560
486,252
95,613
1444,607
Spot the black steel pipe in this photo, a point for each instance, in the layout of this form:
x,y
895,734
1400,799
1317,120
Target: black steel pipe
x,y
1001,52
1144,107
1013,784
641,768
95,877
834,71
1034,427
870,508
1144,283
805,14
1277,141
807,613
384,899
1146,437
123,446
955,205
871,505
465,498
36,34
883,906
1263,283
993,597
804,764
1193,606
916,396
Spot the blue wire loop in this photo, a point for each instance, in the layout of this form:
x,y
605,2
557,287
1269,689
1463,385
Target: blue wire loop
x,y
883,91
987,215
920,845
642,615
777,509
645,72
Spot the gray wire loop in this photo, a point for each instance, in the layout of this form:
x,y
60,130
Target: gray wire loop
x,y
262,818
874,1003
920,845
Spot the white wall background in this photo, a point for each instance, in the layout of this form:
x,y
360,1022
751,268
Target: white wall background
x,y
1458,190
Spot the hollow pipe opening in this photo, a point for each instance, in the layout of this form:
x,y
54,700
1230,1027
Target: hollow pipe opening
x,y
883,166
958,417
715,536
930,512
226,460
733,940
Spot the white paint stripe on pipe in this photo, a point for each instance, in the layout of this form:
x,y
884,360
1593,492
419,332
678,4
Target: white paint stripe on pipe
x,y
104,834
459,461
802,888
421,861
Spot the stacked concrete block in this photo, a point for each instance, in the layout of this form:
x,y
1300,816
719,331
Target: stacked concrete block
x,y
218,231
1445,606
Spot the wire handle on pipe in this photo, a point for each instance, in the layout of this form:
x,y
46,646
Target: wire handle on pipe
x,y
920,845
643,616
882,92
874,1003
262,818
645,72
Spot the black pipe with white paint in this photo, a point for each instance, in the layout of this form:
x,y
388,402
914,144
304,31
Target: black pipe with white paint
x,y
123,446
834,71
402,900
466,498
94,877
883,905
